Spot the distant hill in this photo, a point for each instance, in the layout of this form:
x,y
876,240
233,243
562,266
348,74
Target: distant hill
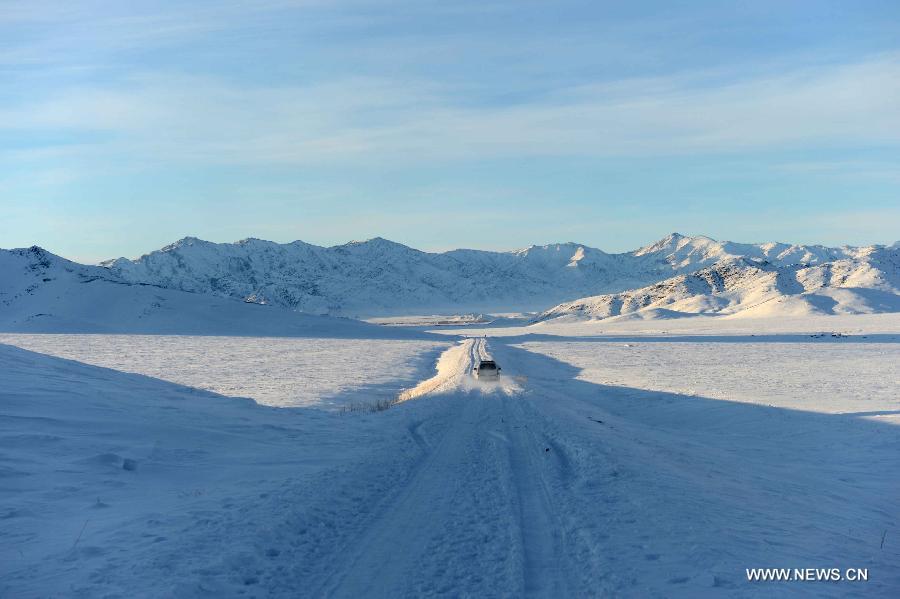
x,y
863,281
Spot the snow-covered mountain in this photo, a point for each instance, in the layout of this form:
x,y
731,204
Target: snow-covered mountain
x,y
859,281
374,277
42,292
198,286
380,277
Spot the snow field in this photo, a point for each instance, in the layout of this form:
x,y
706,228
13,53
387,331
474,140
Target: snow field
x,y
275,371
230,498
708,326
824,375
585,471
227,496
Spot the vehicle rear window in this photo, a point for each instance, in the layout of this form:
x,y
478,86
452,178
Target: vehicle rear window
x,y
488,366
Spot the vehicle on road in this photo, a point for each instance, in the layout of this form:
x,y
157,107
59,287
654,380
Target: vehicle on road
x,y
487,369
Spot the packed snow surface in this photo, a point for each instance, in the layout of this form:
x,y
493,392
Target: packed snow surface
x,y
734,444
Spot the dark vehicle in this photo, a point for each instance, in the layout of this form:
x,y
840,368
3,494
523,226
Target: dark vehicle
x,y
487,369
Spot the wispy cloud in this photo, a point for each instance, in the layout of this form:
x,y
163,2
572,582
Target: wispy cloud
x,y
857,168
59,33
187,118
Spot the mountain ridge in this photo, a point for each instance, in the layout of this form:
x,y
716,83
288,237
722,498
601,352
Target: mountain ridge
x,y
41,292
377,276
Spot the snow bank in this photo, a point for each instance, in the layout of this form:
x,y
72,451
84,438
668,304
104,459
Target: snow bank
x,y
454,373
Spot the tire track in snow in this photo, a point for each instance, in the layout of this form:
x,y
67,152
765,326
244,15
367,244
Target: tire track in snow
x,y
475,514
387,558
390,549
545,570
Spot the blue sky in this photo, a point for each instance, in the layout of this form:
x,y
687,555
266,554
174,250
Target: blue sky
x,y
466,124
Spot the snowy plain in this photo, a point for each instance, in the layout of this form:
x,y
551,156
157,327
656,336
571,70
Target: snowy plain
x,y
629,459
116,484
274,371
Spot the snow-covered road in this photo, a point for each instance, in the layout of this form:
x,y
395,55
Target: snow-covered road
x,y
475,512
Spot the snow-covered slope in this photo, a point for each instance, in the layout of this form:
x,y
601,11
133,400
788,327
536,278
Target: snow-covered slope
x,y
41,292
859,281
380,277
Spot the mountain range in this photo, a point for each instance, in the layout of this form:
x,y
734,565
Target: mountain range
x,y
381,277
261,287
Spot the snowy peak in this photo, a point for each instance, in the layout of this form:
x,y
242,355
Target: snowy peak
x,y
183,242
376,247
375,242
34,266
566,248
560,255
667,244
36,256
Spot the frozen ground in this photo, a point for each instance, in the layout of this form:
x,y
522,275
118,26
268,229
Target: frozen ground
x,y
570,477
275,371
